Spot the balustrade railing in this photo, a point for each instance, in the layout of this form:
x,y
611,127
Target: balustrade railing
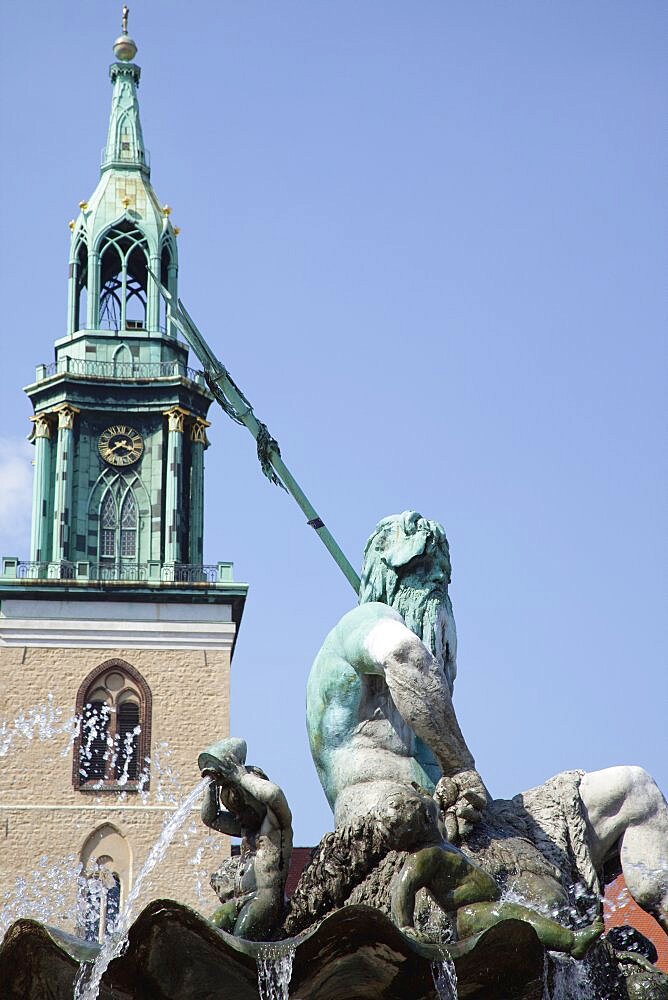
x,y
120,369
45,570
187,573
154,572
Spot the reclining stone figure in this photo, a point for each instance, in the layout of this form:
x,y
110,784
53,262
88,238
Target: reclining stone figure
x,y
380,719
457,885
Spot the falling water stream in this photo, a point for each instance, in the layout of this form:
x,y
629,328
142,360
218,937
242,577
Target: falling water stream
x,y
445,979
570,979
87,983
45,894
274,970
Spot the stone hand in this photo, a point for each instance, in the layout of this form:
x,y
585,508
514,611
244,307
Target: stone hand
x,y
462,798
225,771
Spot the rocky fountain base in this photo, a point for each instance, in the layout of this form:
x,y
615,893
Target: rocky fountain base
x,y
424,875
354,954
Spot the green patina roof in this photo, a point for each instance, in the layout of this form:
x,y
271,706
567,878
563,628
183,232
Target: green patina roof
x,y
124,191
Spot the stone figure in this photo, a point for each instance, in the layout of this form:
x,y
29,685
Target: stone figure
x,y
457,885
398,850
251,888
381,721
627,815
379,695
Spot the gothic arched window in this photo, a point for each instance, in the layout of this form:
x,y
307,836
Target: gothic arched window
x,y
112,747
118,530
128,533
104,882
111,281
100,903
80,275
123,276
108,526
167,278
129,148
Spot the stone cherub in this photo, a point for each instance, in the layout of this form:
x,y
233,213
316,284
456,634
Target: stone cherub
x,y
380,719
252,887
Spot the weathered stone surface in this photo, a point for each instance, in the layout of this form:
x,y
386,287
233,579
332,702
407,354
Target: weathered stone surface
x,y
41,963
36,774
354,954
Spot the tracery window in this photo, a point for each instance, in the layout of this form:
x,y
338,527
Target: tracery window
x,y
108,525
128,539
118,534
104,883
101,903
113,743
123,277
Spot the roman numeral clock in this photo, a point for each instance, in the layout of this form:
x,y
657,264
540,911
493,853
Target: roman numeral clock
x,y
121,445
114,611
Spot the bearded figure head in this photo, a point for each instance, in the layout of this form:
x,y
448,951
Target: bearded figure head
x,y
407,565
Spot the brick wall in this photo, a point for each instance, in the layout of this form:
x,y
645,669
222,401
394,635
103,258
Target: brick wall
x,y
42,816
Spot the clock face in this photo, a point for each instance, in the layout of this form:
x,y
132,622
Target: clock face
x,y
121,445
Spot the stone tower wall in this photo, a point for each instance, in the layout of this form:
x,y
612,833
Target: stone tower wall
x,y
45,820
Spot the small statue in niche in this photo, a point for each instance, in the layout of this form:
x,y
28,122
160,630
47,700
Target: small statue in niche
x,y
251,888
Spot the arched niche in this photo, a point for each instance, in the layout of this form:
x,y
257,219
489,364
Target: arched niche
x,y
105,881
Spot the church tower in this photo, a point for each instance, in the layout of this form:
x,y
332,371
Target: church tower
x,y
120,419
113,633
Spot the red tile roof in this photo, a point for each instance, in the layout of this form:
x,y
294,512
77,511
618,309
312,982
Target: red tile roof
x,y
298,862
619,908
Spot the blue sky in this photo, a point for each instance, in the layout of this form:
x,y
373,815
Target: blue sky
x,y
428,240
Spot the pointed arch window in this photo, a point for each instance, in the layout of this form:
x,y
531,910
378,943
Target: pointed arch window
x,y
112,289
123,277
167,278
80,276
128,535
108,526
128,146
104,882
100,903
112,747
118,533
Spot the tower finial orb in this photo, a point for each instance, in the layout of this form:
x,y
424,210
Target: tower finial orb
x,y
125,48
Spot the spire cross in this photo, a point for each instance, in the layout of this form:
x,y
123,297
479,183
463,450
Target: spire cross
x,y
124,19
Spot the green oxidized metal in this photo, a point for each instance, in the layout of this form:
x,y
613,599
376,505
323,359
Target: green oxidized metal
x,y
120,371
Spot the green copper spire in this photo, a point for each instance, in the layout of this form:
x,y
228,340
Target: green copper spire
x,y
123,234
125,142
120,419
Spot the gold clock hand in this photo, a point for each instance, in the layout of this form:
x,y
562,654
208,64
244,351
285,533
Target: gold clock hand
x,y
122,444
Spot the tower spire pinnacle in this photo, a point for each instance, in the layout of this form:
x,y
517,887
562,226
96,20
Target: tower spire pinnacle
x,y
125,48
125,142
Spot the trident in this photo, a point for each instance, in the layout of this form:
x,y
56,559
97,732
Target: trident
x,y
237,407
